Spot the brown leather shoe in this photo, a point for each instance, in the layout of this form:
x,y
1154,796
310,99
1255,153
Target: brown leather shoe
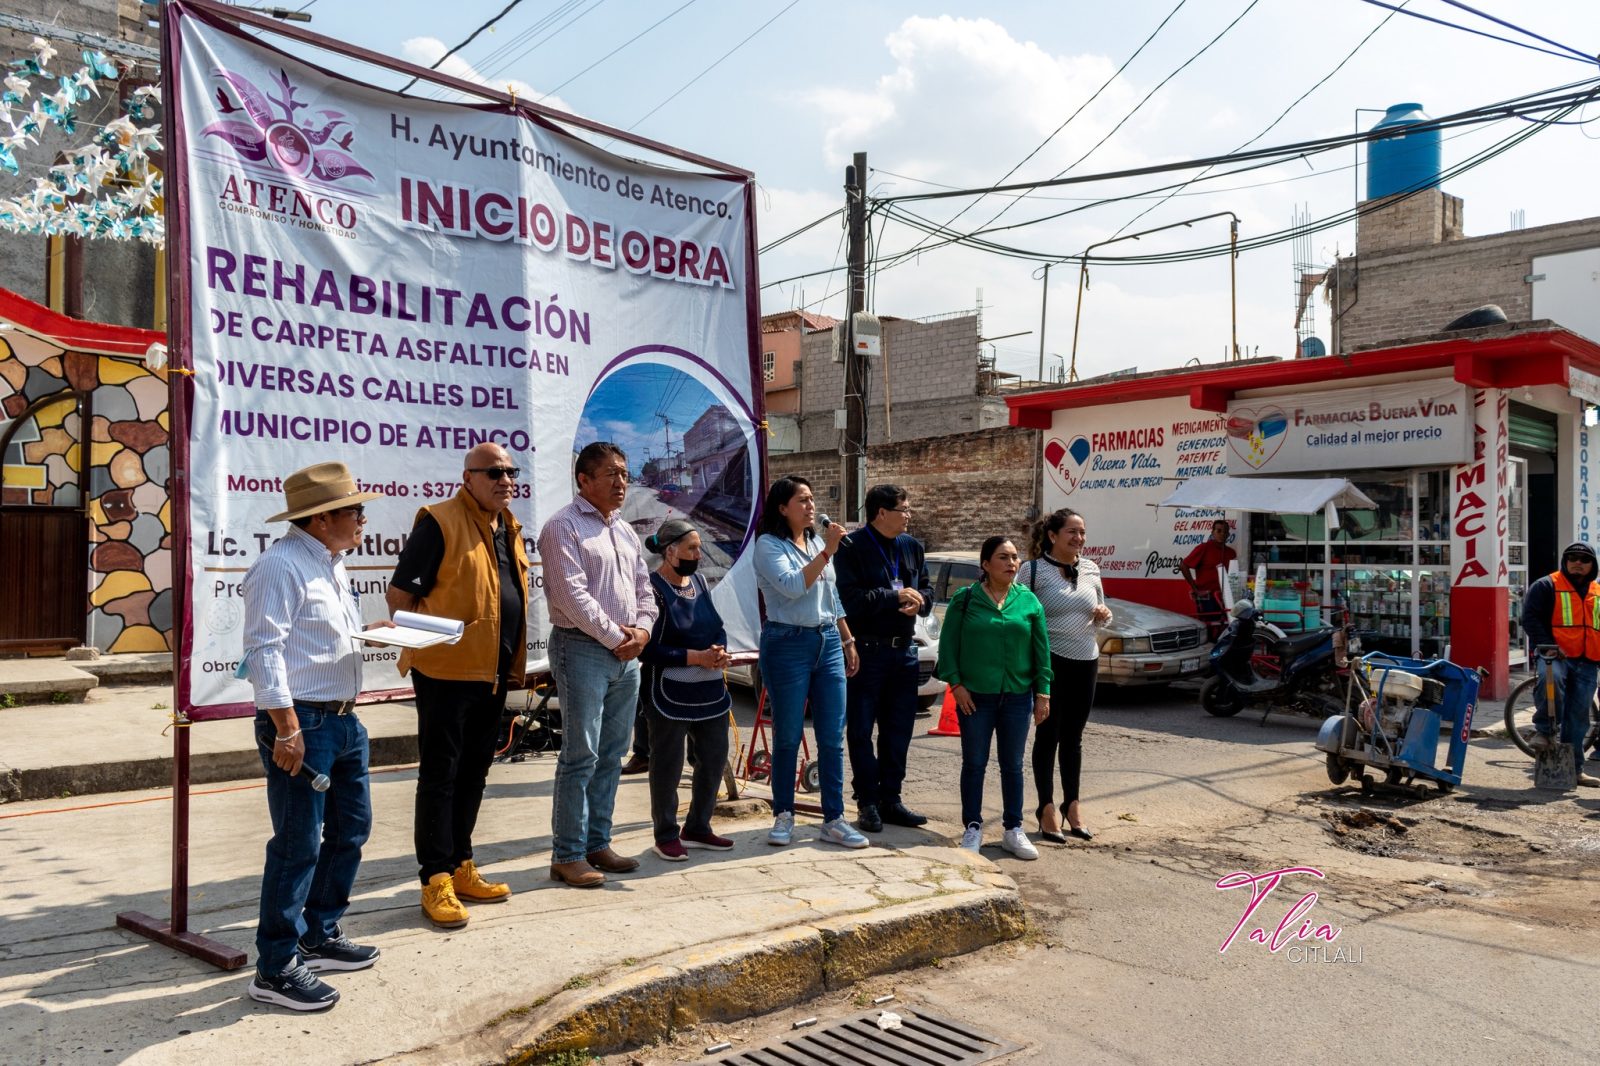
x,y
636,765
577,874
608,860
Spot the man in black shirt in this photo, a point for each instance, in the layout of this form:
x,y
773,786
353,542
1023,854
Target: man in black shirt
x,y
464,560
883,581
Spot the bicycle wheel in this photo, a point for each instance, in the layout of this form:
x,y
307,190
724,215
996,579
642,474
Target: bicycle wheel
x,y
1520,700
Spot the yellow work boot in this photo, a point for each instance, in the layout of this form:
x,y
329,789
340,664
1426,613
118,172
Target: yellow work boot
x,y
471,886
439,903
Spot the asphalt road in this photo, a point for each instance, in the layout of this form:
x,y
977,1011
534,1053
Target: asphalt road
x,y
1463,927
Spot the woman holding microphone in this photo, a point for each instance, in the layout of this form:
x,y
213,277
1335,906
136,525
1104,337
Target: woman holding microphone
x,y
806,653
995,655
1068,586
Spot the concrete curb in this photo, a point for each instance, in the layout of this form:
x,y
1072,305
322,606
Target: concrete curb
x,y
133,774
740,978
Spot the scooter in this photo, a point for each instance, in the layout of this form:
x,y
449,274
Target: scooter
x,y
1255,662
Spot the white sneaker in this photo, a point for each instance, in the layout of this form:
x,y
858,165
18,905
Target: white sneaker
x,y
782,830
844,834
972,837
1017,843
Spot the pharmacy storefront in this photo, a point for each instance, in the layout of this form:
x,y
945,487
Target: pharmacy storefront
x,y
1475,452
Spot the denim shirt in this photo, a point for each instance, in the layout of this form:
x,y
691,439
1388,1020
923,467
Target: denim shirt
x,y
783,586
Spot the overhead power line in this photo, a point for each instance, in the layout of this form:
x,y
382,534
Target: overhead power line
x,y
1273,124
1504,109
470,38
1519,29
1262,241
714,64
507,55
618,48
791,236
1567,53
1080,109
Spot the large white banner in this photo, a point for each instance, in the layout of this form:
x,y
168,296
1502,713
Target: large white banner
x,y
1413,423
388,281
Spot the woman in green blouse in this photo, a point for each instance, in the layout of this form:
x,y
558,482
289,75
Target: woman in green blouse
x,y
994,651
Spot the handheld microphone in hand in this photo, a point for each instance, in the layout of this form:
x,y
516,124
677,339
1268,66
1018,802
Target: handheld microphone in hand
x,y
824,521
319,782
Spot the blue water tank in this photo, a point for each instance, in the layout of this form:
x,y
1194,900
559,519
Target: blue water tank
x,y
1405,163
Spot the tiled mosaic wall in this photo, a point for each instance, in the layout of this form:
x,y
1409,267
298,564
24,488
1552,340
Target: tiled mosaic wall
x,y
130,513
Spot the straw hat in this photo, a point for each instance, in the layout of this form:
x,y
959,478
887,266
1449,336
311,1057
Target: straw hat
x,y
323,487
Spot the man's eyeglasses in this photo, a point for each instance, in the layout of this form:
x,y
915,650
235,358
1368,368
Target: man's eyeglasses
x,y
900,510
358,510
495,473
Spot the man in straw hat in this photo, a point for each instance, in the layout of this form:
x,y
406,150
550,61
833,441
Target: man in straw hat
x,y
304,663
464,560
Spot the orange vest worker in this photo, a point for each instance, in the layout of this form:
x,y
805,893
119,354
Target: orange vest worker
x,y
1575,619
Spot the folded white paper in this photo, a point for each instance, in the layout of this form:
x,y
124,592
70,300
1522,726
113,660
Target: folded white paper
x,y
412,630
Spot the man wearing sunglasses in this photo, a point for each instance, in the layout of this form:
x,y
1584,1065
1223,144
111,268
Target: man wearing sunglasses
x,y
464,560
1563,609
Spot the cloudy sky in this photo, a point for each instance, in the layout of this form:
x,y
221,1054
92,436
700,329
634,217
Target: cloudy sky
x,y
958,94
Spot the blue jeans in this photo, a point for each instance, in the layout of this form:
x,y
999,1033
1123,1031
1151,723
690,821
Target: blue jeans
x,y
316,836
1010,716
599,696
1575,684
800,666
883,694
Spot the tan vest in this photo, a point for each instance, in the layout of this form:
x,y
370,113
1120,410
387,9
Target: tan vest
x,y
468,589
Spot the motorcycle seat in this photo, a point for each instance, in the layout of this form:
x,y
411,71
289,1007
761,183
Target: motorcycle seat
x,y
1298,643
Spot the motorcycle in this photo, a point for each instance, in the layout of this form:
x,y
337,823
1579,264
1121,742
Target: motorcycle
x,y
1255,662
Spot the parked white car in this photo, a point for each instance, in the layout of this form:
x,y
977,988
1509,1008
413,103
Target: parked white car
x,y
1142,645
930,690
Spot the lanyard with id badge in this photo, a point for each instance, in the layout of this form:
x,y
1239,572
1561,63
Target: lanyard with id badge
x,y
893,564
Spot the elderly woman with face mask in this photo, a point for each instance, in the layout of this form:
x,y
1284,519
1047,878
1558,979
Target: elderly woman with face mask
x,y
684,691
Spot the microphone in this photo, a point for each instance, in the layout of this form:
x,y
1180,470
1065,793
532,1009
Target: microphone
x,y
824,521
319,782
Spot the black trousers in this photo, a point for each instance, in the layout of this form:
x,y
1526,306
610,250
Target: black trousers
x,y
668,738
883,694
457,723
1071,696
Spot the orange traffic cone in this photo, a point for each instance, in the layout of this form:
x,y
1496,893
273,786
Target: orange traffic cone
x,y
949,725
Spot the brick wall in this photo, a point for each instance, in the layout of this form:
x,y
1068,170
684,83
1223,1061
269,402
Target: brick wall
x,y
932,386
1400,292
1428,217
963,487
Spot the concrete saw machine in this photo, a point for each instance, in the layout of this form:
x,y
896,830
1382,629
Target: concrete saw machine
x,y
1395,732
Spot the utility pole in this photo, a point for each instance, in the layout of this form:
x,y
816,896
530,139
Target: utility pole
x,y
854,451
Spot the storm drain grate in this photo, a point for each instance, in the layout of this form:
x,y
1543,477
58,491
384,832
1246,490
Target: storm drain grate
x,y
922,1040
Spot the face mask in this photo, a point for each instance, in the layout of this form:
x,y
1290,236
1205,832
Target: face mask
x,y
685,567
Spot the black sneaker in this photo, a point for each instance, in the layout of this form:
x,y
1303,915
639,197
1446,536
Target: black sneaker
x,y
898,813
867,819
296,988
338,952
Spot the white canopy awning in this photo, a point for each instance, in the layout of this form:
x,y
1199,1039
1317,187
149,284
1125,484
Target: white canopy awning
x,y
1276,495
